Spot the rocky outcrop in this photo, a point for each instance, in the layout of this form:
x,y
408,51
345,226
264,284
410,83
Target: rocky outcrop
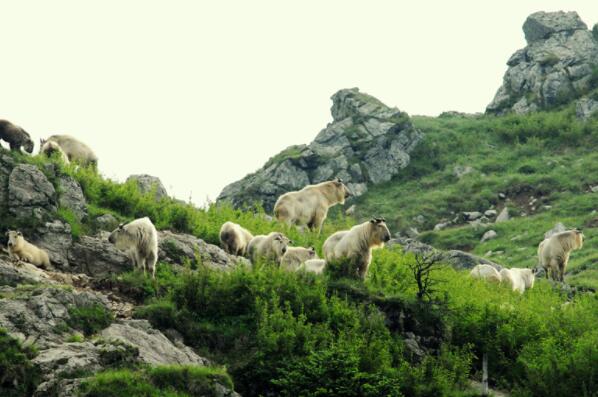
x,y
148,184
71,196
96,257
30,194
366,143
558,65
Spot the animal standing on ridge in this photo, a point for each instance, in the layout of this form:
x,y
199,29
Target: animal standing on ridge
x,y
357,243
268,247
20,249
309,206
554,252
234,238
15,136
75,150
139,239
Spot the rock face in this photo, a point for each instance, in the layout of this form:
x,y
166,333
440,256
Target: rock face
x,y
97,257
366,143
30,194
71,196
557,65
148,183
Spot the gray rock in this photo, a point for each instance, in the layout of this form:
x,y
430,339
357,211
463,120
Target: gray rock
x,y
594,189
71,196
97,258
540,25
149,184
30,194
351,210
461,170
24,273
55,237
472,216
413,349
489,235
440,226
367,143
559,227
503,216
178,248
490,213
586,108
106,222
412,232
6,166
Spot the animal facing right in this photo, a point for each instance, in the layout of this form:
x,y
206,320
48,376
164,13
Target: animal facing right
x,y
269,247
15,136
234,238
75,150
20,249
554,252
51,147
295,256
486,272
309,206
139,239
357,243
518,279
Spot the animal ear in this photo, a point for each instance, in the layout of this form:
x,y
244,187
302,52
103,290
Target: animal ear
x,y
120,226
312,248
19,234
373,220
7,233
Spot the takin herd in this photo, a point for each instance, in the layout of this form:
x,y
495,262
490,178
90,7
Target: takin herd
x,y
306,208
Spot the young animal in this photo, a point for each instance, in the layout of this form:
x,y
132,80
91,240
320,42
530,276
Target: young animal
x,y
269,247
20,249
309,206
75,150
295,256
518,279
485,272
15,136
139,239
234,238
316,266
554,252
51,147
357,243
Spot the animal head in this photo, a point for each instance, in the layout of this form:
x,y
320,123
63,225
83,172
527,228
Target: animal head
x,y
50,147
120,237
280,242
579,236
378,231
312,253
28,146
529,277
15,238
341,190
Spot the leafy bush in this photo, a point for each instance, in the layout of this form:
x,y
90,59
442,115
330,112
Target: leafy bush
x,y
89,319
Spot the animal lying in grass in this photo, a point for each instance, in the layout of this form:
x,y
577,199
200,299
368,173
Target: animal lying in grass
x,y
554,252
75,150
486,272
316,266
269,247
518,279
357,243
139,239
234,238
20,249
309,206
295,256
15,136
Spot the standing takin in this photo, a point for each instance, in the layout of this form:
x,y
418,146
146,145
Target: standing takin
x,y
20,249
75,150
309,206
486,272
234,238
295,256
269,247
15,136
518,279
357,243
51,147
553,253
139,239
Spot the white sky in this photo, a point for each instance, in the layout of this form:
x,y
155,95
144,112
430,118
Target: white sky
x,y
202,93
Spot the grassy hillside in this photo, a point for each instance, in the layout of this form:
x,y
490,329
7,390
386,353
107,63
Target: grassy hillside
x,y
545,158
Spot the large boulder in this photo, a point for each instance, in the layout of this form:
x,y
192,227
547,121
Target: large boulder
x,y
556,66
366,143
96,257
149,184
71,196
55,237
30,194
6,165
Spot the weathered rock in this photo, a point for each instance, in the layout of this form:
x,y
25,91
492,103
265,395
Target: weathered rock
x,y
472,216
6,165
461,170
30,194
489,235
440,226
490,213
586,108
559,227
71,196
24,273
97,258
55,237
351,210
106,222
149,184
554,68
178,248
367,143
503,216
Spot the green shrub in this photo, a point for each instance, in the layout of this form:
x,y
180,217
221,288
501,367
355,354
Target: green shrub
x,y
18,375
89,319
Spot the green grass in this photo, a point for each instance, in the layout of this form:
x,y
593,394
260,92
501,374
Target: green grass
x,y
89,319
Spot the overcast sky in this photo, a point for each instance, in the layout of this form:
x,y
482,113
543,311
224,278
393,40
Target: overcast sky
x,y
200,94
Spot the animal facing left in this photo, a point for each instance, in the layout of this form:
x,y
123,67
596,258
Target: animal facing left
x,y
20,249
15,136
139,239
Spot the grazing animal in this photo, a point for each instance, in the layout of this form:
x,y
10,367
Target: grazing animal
x,y
234,238
554,252
268,247
20,249
309,206
486,272
51,147
295,256
15,136
518,279
75,150
316,266
357,243
139,239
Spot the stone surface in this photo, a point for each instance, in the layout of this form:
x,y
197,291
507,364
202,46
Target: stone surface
x,y
554,68
30,194
489,235
96,257
149,184
503,216
586,108
71,196
559,227
106,222
461,170
366,143
55,237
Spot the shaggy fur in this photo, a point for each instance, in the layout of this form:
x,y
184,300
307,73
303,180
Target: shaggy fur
x,y
309,206
295,256
234,238
51,147
518,279
357,243
316,266
20,249
75,150
485,272
15,136
269,247
554,252
139,239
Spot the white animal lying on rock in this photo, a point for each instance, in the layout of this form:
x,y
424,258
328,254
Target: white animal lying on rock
x,y
486,272
139,239
21,249
518,279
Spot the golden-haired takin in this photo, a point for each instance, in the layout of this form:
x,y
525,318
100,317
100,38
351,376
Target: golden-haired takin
x,y
554,252
234,238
